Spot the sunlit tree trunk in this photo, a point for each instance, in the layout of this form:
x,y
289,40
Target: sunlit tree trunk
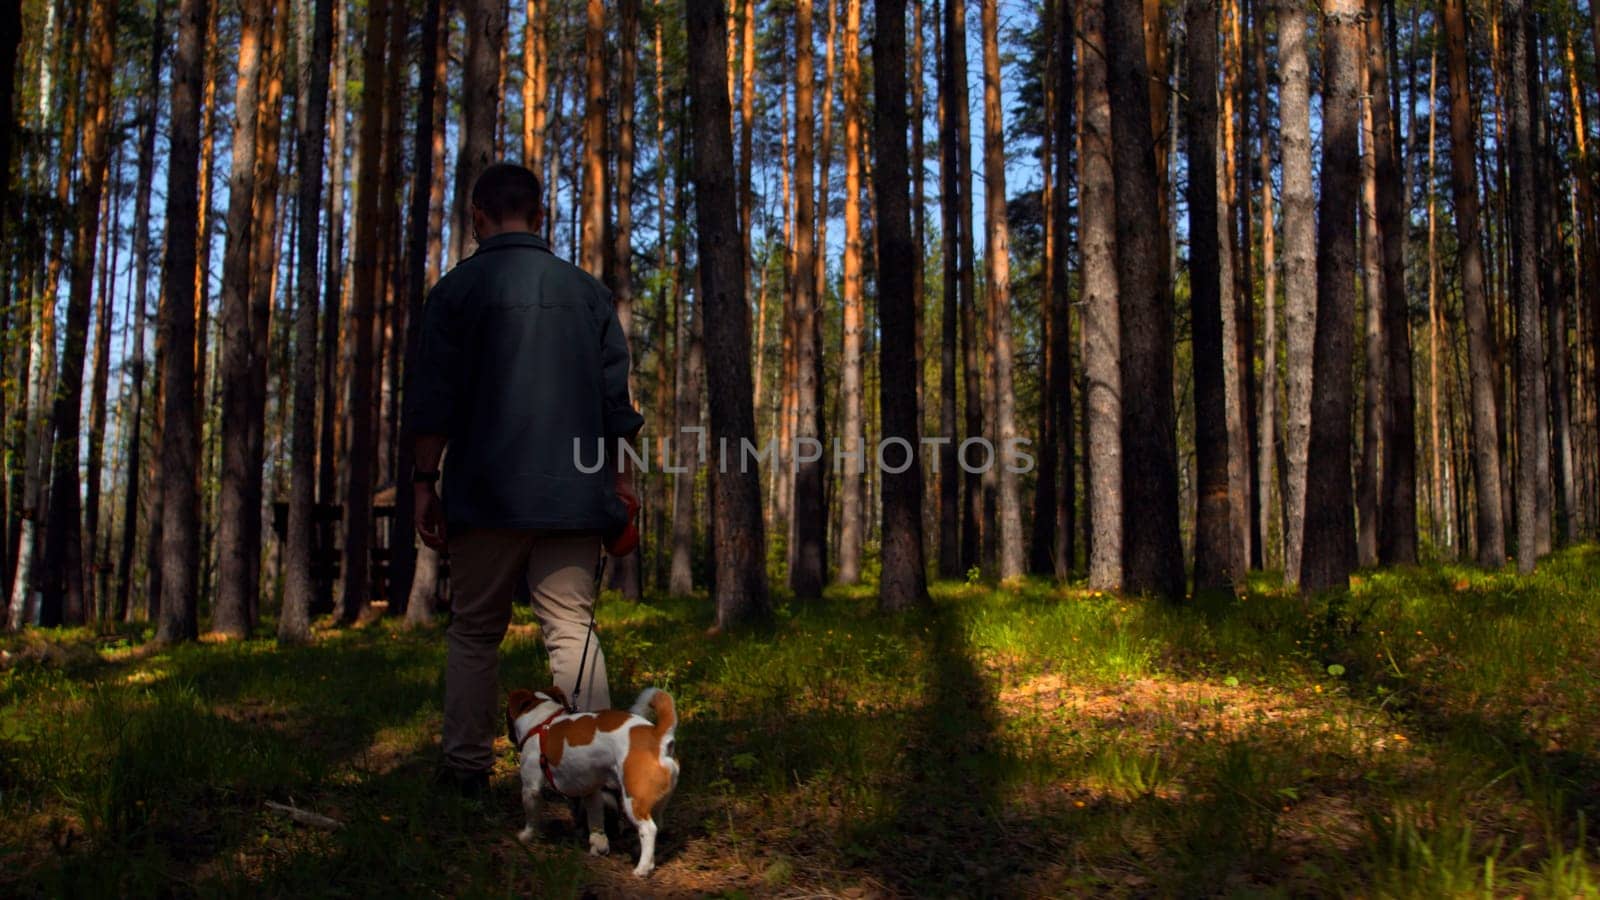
x,y
619,269
63,598
997,256
141,286
1299,269
852,522
1328,544
1485,441
1373,374
535,82
593,255
1102,331
808,571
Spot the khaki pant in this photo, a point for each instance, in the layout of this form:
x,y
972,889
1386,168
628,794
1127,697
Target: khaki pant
x,y
484,566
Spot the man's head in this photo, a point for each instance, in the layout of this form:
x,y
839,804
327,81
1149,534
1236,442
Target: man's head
x,y
506,197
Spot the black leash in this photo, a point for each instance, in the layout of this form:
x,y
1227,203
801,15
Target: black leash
x,y
577,685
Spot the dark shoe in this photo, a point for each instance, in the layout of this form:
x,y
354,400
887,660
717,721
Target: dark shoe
x,y
470,785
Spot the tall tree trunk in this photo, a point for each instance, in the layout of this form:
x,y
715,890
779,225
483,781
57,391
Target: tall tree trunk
x,y
852,522
1214,541
1480,335
619,270
1397,532
1059,460
1152,554
1531,408
807,574
180,438
1299,269
366,289
1373,372
230,616
328,432
141,298
997,255
63,596
1267,438
294,622
1328,544
904,581
535,82
95,599
972,521
740,593
480,105
593,255
950,187
1102,330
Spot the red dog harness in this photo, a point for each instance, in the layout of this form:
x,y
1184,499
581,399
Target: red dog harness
x,y
541,730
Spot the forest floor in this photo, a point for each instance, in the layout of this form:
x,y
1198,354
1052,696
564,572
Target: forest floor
x,y
1431,733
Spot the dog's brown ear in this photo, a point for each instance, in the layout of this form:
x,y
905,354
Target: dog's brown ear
x,y
556,694
518,702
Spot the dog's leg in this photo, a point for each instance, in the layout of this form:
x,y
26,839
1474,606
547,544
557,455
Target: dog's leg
x,y
647,847
530,806
599,844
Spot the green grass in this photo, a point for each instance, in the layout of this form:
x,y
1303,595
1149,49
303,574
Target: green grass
x,y
1429,733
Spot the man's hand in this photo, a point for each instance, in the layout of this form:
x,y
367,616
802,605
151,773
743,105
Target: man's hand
x,y
429,516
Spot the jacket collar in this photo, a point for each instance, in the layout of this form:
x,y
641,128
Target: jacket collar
x,y
513,239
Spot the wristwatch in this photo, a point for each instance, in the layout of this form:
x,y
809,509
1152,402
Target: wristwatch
x,y
420,477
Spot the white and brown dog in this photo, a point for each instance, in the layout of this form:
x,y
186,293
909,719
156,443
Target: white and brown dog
x,y
580,754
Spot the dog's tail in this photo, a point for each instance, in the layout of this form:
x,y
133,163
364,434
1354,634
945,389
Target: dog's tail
x,y
660,702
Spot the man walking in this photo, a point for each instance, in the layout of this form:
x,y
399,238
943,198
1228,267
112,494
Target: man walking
x,y
522,361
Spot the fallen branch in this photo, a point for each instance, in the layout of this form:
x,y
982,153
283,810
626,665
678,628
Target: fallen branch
x,y
306,817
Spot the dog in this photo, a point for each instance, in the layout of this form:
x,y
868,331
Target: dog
x,y
582,754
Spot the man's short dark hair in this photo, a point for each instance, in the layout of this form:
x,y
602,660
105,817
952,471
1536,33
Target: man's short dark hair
x,y
507,190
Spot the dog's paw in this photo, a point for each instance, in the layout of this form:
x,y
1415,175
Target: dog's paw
x,y
526,835
599,844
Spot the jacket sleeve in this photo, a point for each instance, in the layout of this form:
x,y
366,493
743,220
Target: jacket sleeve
x,y
431,382
621,419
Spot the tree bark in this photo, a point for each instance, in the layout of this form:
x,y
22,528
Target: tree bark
x,y
810,523
593,255
480,105
63,595
1152,554
141,267
364,295
180,439
972,522
1102,330
294,622
1328,544
1531,401
997,256
1213,536
1299,269
1373,370
619,269
950,223
230,616
1397,531
740,593
1268,445
904,581
853,514
1480,336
